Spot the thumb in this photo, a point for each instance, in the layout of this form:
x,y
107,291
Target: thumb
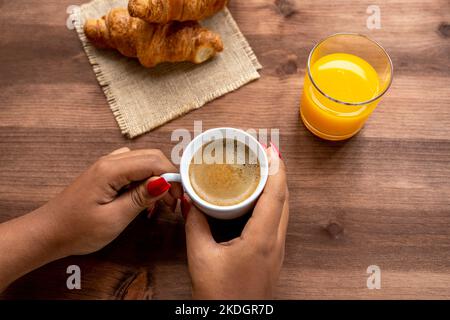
x,y
143,196
198,233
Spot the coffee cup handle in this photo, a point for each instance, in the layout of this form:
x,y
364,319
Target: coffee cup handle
x,y
172,177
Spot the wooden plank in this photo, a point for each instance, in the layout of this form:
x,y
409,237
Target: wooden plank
x,y
385,193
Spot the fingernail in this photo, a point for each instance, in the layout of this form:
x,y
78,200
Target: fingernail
x,y
174,206
264,145
150,212
276,149
185,207
157,187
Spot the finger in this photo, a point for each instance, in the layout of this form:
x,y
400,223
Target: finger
x,y
151,210
139,152
282,229
266,216
118,173
169,200
198,232
177,190
143,196
119,151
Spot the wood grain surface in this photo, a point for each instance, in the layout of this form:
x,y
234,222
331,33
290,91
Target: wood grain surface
x,y
381,198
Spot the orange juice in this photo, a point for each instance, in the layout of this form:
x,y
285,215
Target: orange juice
x,y
334,108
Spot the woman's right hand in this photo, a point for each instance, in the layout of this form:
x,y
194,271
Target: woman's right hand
x,y
246,267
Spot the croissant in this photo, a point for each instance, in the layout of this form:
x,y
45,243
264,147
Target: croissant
x,y
153,43
163,11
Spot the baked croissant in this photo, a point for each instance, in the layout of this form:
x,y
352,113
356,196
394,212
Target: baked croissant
x,y
153,43
163,11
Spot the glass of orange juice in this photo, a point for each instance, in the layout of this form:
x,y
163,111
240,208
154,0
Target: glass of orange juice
x,y
347,74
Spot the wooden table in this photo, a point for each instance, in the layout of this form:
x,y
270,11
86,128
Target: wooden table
x,y
381,198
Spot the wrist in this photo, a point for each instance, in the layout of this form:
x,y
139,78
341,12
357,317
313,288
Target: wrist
x,y
30,241
47,234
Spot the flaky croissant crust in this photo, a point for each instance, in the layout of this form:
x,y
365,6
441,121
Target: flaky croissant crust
x,y
153,43
163,11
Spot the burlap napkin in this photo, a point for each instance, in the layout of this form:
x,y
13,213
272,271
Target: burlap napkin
x,y
143,99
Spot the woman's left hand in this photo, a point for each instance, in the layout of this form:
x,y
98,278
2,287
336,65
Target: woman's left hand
x,y
88,214
99,204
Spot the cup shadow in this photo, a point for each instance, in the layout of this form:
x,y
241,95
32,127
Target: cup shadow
x,y
226,230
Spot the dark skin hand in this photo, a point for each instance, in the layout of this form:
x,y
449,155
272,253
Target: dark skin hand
x,y
102,201
247,267
87,215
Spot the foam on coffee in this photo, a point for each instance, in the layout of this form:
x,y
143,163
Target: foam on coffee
x,y
224,181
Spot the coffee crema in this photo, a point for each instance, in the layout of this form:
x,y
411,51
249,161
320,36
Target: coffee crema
x,y
224,172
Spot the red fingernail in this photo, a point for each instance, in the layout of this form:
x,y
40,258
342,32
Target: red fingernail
x,y
174,206
264,145
185,207
157,187
276,149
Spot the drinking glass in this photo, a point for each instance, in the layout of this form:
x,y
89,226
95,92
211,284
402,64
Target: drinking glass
x,y
333,105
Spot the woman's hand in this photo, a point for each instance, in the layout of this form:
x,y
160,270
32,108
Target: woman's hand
x,y
246,267
98,205
88,214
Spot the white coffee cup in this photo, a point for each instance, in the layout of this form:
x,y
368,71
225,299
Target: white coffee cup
x,y
216,211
